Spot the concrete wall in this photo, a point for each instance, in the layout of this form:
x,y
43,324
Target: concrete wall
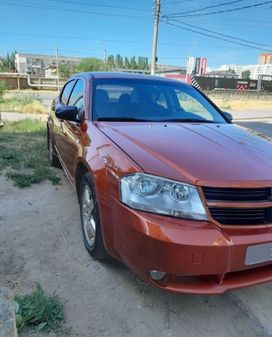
x,y
14,81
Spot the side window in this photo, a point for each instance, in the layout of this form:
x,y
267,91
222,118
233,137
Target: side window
x,y
192,106
66,92
76,97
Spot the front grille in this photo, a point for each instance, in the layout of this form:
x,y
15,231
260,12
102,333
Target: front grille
x,y
238,194
242,216
230,215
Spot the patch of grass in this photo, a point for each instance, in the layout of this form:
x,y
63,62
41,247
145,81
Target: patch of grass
x,y
23,153
38,311
225,105
22,103
2,90
242,104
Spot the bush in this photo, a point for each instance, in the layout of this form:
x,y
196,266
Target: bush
x,y
3,89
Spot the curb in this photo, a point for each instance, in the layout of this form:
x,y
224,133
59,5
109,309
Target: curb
x,y
7,314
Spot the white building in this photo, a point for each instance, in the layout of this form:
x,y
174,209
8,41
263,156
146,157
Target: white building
x,y
34,64
255,69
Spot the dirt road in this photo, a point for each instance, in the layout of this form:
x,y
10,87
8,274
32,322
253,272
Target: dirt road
x,y
41,241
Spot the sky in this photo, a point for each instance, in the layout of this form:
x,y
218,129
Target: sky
x,y
88,28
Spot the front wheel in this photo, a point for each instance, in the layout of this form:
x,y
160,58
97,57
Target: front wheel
x,y
90,220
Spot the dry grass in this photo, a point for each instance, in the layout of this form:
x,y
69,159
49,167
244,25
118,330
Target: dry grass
x,y
22,103
242,105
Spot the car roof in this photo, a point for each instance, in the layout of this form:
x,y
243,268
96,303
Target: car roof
x,y
124,75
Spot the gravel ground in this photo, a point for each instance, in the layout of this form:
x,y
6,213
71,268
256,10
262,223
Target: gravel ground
x,y
41,241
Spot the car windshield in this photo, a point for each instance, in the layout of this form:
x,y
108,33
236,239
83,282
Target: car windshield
x,y
152,101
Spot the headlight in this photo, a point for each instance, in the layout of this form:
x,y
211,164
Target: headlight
x,y
162,196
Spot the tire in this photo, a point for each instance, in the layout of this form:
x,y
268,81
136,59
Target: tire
x,y
53,159
90,219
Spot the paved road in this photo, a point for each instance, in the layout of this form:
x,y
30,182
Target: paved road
x,y
251,114
262,126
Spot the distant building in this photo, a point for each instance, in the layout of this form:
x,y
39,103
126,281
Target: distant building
x,y
197,66
265,58
175,72
34,64
50,72
222,74
256,70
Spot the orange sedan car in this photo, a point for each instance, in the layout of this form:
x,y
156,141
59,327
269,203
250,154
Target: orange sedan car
x,y
165,182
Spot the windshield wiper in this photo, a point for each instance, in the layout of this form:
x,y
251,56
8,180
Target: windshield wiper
x,y
187,120
122,119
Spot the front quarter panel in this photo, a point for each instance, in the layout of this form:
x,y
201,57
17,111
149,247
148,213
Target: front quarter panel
x,y
106,163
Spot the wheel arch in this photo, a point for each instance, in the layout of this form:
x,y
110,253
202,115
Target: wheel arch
x,y
81,169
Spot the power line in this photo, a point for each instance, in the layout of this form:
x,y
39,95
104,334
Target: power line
x,y
177,2
209,7
84,38
71,10
221,34
100,5
72,37
217,37
177,15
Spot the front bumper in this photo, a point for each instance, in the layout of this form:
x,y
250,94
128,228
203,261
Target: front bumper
x,y
198,257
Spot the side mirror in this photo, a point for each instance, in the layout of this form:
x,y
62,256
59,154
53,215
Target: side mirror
x,y
68,113
228,115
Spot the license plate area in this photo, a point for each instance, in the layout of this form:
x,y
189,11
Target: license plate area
x,y
259,254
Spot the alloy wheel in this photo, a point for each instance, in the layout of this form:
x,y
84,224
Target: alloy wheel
x,y
87,209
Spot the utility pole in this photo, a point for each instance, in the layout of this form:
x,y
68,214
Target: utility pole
x,y
104,54
155,36
57,64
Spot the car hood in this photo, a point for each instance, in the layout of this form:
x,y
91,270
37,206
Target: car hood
x,y
209,154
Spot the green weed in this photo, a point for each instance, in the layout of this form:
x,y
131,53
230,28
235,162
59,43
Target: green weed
x,y
38,311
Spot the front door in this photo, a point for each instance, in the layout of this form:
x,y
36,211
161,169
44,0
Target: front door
x,y
72,133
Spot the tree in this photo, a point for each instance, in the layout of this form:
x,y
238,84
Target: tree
x,y
133,63
119,63
91,64
143,63
246,75
67,70
127,63
7,63
110,62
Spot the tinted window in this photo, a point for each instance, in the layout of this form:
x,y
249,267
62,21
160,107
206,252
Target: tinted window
x,y
151,100
76,97
191,105
66,92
